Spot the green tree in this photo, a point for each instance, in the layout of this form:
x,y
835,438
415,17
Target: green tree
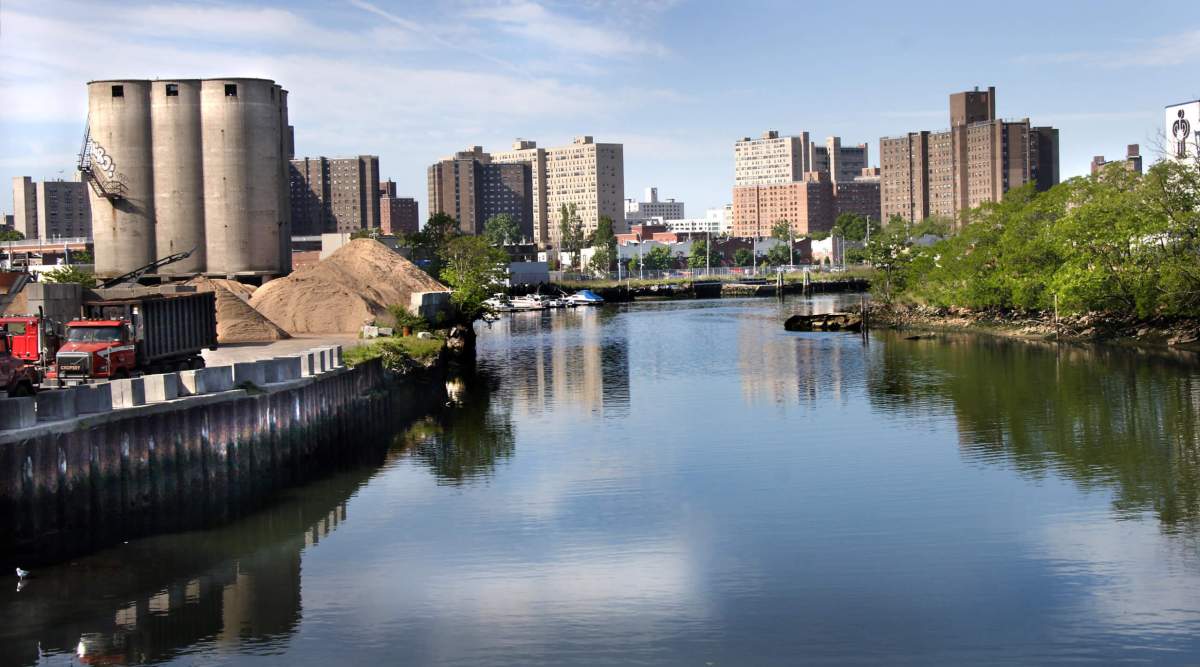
x,y
365,233
69,274
473,269
81,257
11,235
889,254
429,243
604,241
779,255
700,257
853,227
783,231
570,230
658,258
743,257
501,230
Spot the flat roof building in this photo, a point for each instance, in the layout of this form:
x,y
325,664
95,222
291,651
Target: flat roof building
x,y
334,195
653,207
1132,161
806,205
471,188
977,160
397,215
587,174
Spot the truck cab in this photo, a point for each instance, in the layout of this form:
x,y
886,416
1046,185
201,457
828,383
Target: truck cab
x,y
17,376
94,350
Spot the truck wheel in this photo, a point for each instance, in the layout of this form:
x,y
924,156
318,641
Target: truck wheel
x,y
22,389
122,374
198,363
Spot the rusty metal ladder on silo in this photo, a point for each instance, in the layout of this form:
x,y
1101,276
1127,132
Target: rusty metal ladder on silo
x,y
111,189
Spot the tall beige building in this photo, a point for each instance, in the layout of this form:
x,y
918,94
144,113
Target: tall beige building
x,y
981,157
584,173
25,206
794,180
772,159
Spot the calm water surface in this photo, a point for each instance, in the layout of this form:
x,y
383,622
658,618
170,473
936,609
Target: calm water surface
x,y
686,483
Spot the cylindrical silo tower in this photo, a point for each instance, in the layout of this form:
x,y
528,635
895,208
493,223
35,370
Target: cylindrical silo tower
x,y
120,163
178,173
242,175
287,152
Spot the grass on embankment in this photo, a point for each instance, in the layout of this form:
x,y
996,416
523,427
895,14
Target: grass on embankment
x,y
423,351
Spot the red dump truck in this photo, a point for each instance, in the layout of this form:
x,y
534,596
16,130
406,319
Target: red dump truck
x,y
120,338
20,352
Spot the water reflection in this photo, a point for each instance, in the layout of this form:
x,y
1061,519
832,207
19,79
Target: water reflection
x,y
152,599
686,483
235,588
577,356
1104,418
465,441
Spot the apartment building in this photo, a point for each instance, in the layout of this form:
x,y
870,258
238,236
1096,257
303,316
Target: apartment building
x,y
587,174
824,173
859,196
807,205
334,194
472,188
977,160
1132,161
652,207
51,209
527,152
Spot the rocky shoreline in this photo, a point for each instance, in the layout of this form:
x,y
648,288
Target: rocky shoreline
x,y
1178,333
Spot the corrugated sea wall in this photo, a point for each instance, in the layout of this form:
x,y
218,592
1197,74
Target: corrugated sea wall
x,y
73,486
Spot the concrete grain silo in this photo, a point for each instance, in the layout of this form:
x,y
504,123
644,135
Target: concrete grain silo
x,y
121,170
182,164
242,155
288,151
178,174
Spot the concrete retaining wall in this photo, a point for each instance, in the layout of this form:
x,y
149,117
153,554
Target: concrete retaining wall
x,y
67,487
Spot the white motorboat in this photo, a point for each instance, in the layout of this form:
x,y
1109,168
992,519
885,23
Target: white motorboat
x,y
529,302
585,297
499,303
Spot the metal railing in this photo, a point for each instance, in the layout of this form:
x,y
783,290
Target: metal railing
x,y
44,243
716,272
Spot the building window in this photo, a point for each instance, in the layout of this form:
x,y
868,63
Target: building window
x,y
118,91
172,90
231,90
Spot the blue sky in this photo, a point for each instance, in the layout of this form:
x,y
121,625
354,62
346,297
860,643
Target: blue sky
x,y
677,82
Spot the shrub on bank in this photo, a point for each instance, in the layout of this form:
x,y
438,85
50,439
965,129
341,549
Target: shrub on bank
x,y
1116,242
398,354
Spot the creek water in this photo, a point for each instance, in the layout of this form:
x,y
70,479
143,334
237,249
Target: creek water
x,y
687,483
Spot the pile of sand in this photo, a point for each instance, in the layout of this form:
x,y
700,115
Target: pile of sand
x,y
344,291
237,321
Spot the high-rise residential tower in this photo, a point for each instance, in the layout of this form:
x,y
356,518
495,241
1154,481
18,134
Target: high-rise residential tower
x,y
792,179
977,160
589,175
334,195
471,188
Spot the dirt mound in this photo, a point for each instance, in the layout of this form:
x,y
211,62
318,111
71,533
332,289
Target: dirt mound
x,y
237,321
346,290
240,289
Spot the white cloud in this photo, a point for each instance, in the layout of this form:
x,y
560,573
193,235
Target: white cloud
x,y
531,21
1165,51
